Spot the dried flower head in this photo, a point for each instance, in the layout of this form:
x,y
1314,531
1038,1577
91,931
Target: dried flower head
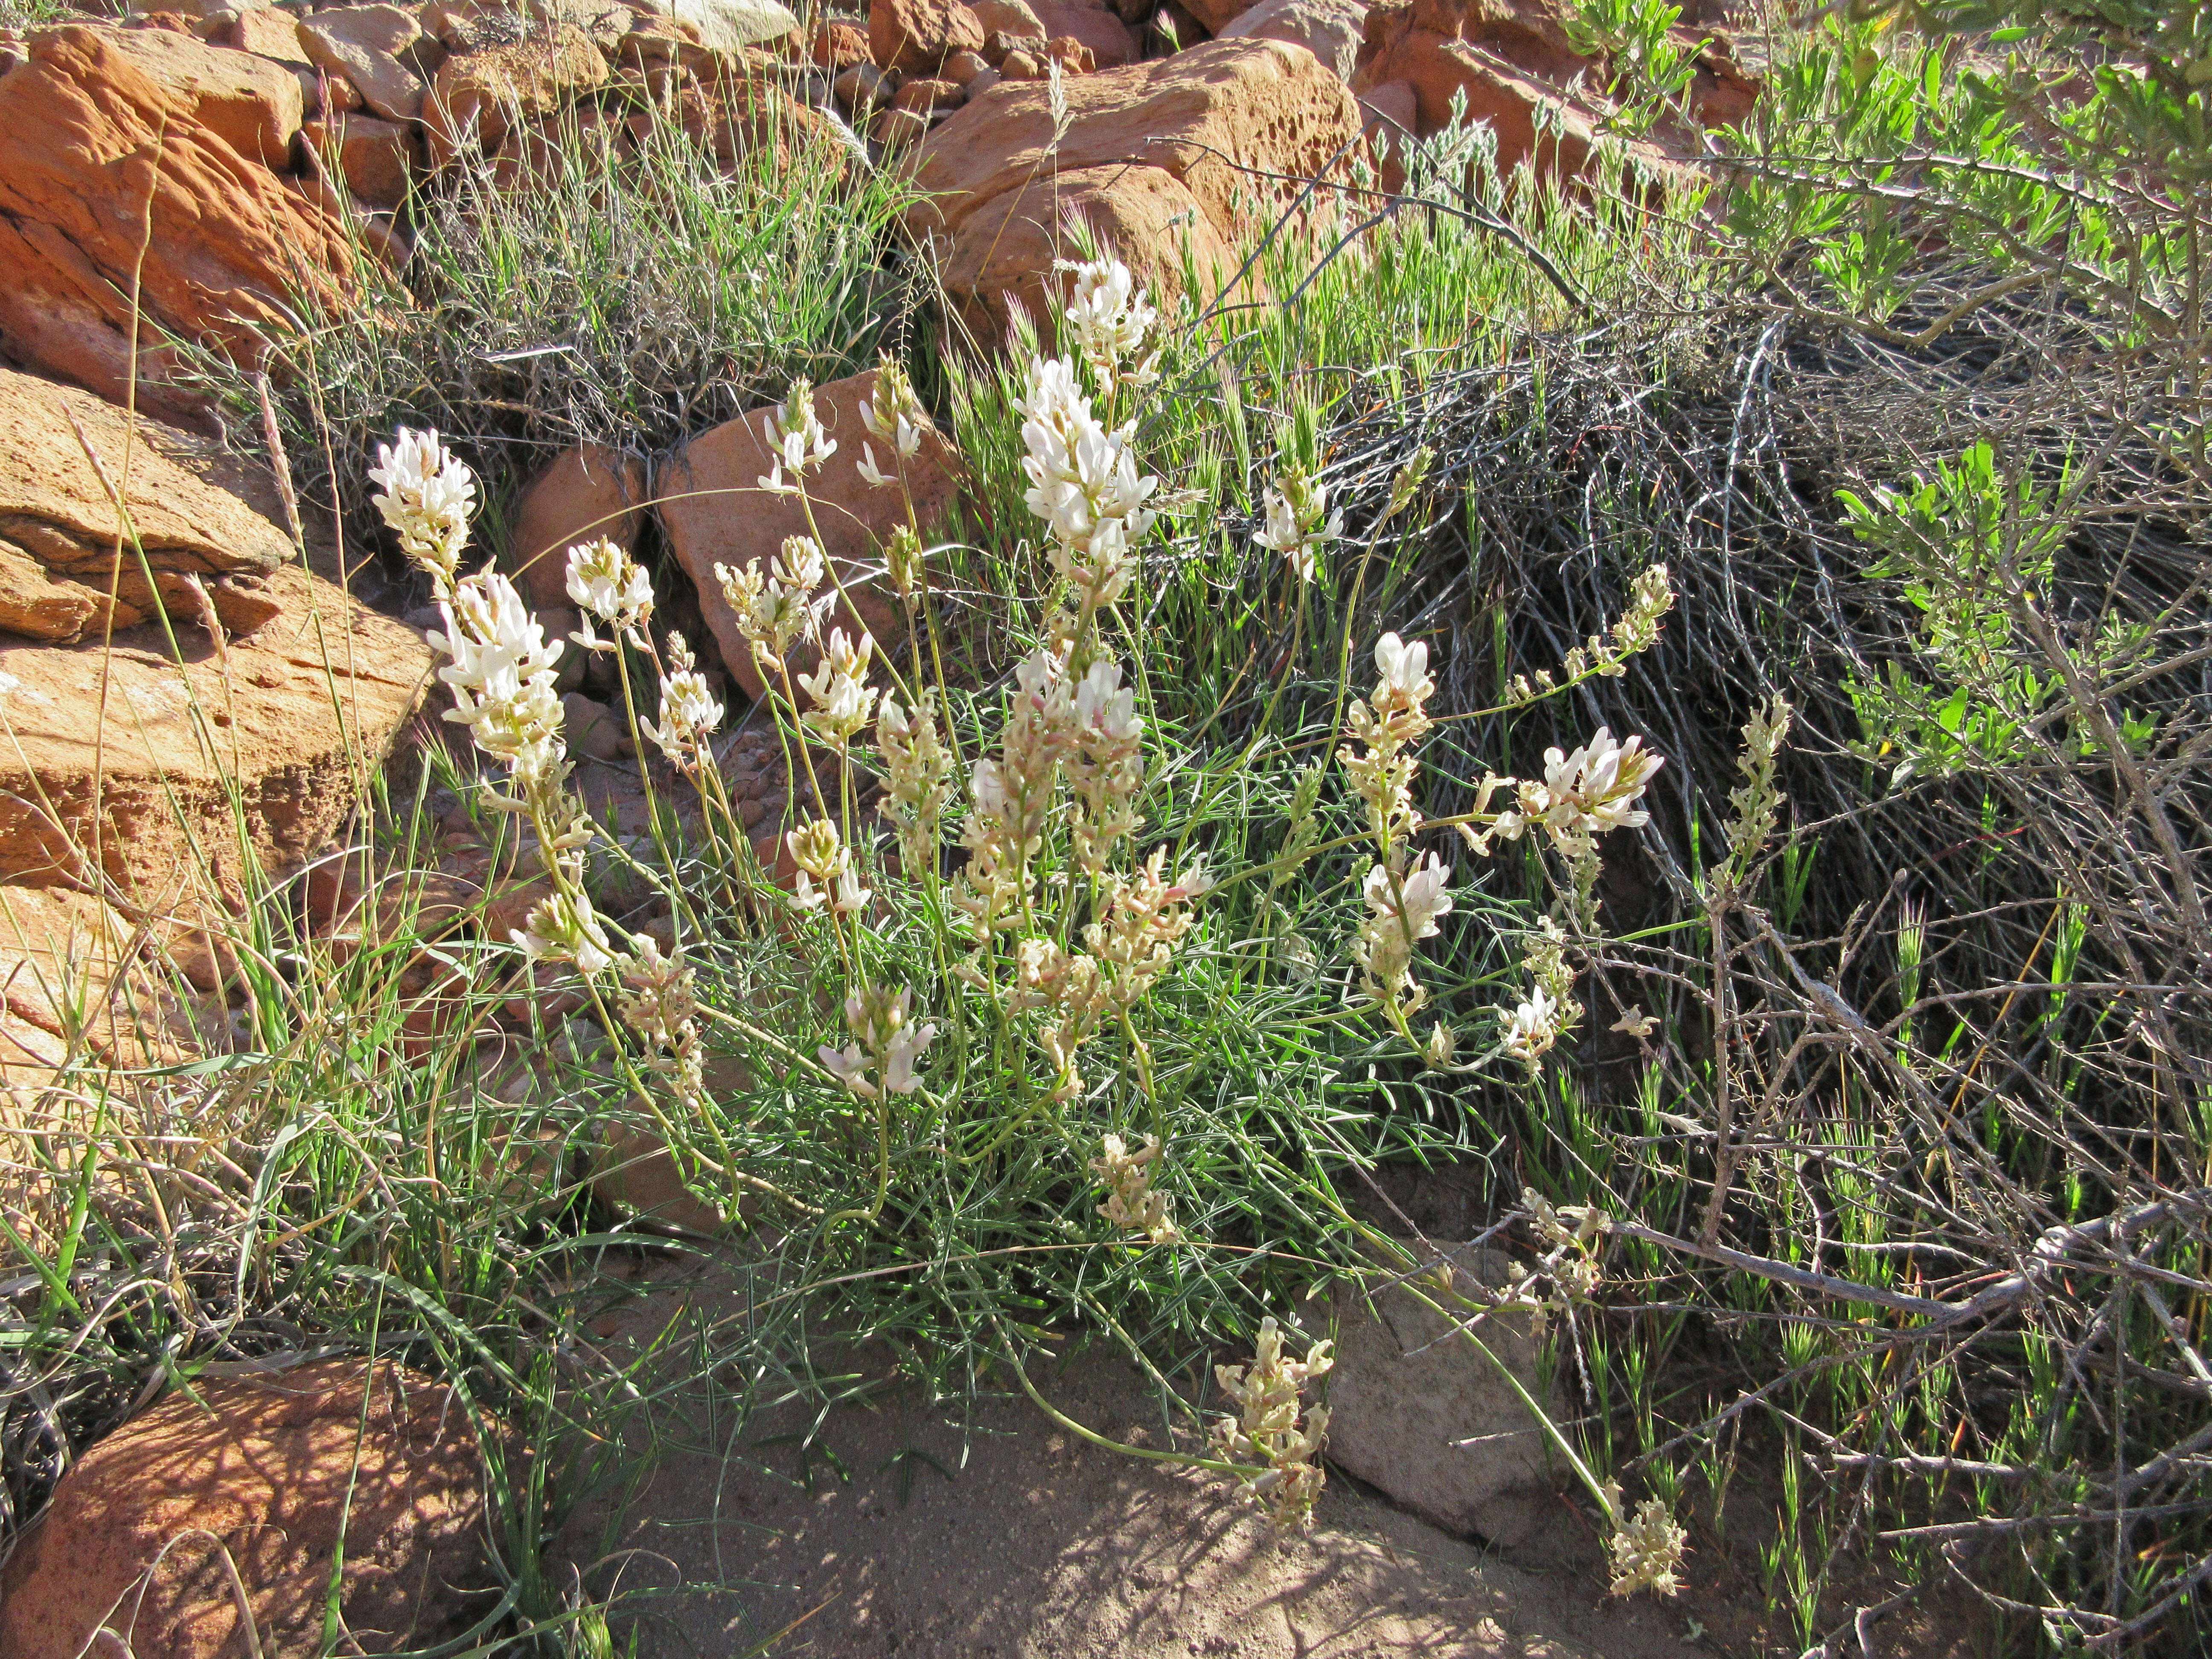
x,y
1133,1203
1266,1431
1647,1548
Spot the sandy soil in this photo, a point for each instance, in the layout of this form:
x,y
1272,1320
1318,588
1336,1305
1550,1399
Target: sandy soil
x,y
983,1528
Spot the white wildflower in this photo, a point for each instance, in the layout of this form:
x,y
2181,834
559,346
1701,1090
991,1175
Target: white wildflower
x,y
1298,525
502,674
1404,908
562,929
1012,795
1530,1030
1443,1043
886,1039
842,701
795,429
1083,482
1110,320
659,1003
895,414
689,711
827,877
778,609
606,582
1381,774
427,495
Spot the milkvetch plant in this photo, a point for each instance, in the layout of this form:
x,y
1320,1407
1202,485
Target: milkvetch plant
x,y
982,886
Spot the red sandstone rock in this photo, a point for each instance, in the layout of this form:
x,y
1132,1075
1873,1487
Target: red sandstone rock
x,y
278,1471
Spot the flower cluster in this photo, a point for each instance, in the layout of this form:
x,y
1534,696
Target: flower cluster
x,y
1403,907
1383,774
1582,795
1527,1030
1109,319
502,672
606,582
886,1042
1404,899
689,711
659,1003
1083,483
895,415
1650,597
795,429
562,927
1266,1431
778,609
1131,943
918,777
1647,1548
1298,522
1105,766
827,874
1012,795
1754,803
427,497
1133,1203
838,689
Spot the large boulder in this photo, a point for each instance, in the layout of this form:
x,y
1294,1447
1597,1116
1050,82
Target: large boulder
x,y
587,493
364,44
1102,33
730,26
369,1474
478,95
137,161
1517,69
1330,29
60,449
714,512
166,779
1205,148
915,36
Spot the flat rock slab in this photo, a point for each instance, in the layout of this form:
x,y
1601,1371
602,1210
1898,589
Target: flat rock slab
x,y
987,1529
124,761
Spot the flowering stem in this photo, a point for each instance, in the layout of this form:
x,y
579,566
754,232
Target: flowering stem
x,y
1242,1471
882,1174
